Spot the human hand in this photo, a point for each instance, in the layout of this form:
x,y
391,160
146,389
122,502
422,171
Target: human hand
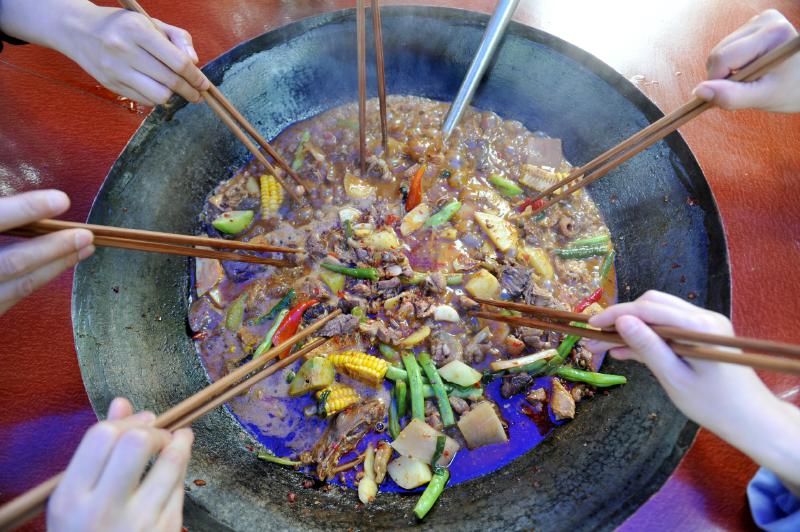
x,y
123,51
27,265
103,489
776,90
728,399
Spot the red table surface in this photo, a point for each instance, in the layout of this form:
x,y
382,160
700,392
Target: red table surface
x,y
59,129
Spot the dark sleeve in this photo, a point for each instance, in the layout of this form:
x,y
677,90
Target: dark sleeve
x,y
10,40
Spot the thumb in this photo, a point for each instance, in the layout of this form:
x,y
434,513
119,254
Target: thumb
x,y
734,94
651,350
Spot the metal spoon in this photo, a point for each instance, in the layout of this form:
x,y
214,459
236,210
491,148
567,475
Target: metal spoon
x,y
491,38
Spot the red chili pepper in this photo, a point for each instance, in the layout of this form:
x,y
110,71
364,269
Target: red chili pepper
x,y
391,219
594,297
200,335
535,205
290,324
415,189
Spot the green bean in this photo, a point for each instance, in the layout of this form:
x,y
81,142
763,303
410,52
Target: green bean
x,y
300,152
267,343
582,252
533,367
348,230
235,315
393,373
590,241
605,268
394,420
358,273
415,386
285,302
448,419
561,354
432,492
505,185
455,279
600,380
464,392
401,396
389,352
269,457
441,442
417,278
444,214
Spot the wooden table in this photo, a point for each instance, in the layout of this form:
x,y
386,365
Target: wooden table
x,y
59,129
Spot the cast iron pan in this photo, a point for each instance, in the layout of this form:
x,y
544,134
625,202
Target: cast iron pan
x,y
129,308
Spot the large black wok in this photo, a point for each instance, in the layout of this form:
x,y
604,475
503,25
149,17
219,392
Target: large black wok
x,y
129,308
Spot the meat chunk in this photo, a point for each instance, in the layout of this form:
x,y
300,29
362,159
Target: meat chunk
x,y
377,166
435,283
316,247
435,421
344,433
475,350
536,295
515,279
339,326
377,329
348,302
388,286
467,304
445,348
566,226
459,405
203,315
515,384
561,403
536,395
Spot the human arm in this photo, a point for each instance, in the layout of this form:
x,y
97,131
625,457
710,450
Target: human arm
x,y
120,49
27,265
103,489
777,90
730,400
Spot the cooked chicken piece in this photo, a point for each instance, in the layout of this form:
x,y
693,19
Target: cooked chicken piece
x,y
561,403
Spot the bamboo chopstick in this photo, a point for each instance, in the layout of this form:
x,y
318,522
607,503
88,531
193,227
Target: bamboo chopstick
x,y
361,44
32,502
379,69
669,333
232,118
599,166
46,226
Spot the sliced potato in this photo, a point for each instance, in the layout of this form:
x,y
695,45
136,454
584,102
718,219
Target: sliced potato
x,y
414,219
418,440
482,426
348,214
446,313
460,373
499,365
358,188
416,337
501,231
409,473
315,374
383,240
208,273
538,259
483,284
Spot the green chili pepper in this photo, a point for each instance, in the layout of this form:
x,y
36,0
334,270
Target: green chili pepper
x,y
582,252
269,457
444,214
285,302
417,278
348,229
455,279
401,396
290,377
432,492
267,343
605,268
600,380
448,419
235,315
561,354
415,386
300,152
505,185
590,241
533,367
394,421
358,273
350,124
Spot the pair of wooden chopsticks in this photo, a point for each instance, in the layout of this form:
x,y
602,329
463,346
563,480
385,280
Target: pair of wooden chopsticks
x,y
776,356
31,503
601,165
153,241
361,41
232,118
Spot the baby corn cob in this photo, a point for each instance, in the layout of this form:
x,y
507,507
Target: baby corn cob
x,y
336,398
360,365
272,195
